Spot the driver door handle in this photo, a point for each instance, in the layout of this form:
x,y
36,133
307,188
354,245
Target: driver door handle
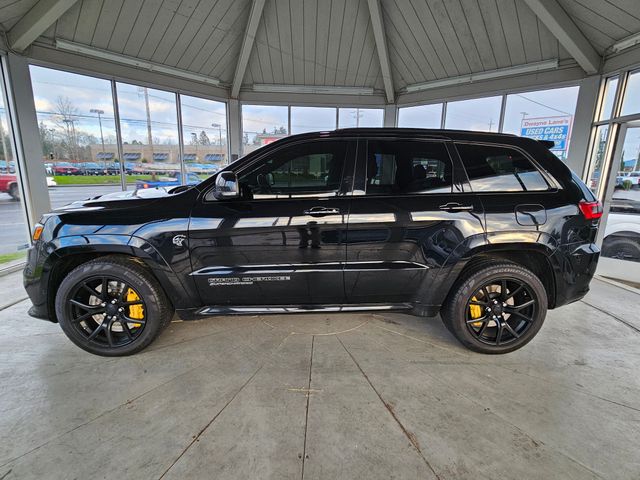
x,y
321,211
456,207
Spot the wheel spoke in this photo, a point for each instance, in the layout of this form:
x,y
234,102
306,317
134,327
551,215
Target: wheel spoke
x,y
478,302
105,288
122,292
475,320
503,289
520,307
95,333
125,327
134,320
84,317
91,308
133,302
499,334
513,293
483,329
486,293
107,331
91,290
511,330
524,317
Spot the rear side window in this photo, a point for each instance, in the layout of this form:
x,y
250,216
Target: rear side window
x,y
500,169
407,167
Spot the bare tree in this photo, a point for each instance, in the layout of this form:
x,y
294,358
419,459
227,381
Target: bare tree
x,y
66,114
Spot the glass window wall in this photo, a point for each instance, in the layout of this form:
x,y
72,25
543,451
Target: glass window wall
x,y
480,114
421,116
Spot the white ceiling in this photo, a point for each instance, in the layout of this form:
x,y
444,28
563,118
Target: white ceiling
x,y
331,42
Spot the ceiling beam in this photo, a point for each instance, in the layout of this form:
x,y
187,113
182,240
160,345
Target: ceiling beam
x,y
36,21
381,46
247,45
568,34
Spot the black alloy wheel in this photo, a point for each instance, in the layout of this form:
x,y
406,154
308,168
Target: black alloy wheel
x,y
106,311
501,311
112,306
497,308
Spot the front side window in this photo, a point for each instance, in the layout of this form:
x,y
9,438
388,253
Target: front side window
x,y
407,167
500,169
308,169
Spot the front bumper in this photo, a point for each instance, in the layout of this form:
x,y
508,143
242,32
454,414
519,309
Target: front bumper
x,y
35,279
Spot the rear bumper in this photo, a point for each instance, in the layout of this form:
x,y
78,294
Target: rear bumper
x,y
575,266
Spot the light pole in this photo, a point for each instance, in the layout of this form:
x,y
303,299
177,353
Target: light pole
x,y
219,127
100,112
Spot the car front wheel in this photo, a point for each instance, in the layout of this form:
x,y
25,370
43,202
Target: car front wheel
x,y
112,306
496,309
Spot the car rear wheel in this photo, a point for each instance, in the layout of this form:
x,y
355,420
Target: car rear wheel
x,y
621,248
112,306
496,309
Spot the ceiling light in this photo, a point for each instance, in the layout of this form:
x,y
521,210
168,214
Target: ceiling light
x,y
475,77
132,61
625,43
274,88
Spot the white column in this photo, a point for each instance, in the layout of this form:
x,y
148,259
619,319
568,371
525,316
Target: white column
x,y
235,128
582,121
390,115
26,135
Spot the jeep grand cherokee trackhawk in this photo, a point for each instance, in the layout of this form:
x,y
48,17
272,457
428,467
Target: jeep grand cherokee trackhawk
x,y
487,230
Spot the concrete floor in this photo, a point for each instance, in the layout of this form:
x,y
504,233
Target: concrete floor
x,y
327,396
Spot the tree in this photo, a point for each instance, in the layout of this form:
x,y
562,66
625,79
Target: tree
x,y
204,139
65,118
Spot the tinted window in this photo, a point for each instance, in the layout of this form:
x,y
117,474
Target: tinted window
x,y
305,169
400,167
500,169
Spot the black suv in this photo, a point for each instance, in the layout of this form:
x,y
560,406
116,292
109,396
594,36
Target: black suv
x,y
487,230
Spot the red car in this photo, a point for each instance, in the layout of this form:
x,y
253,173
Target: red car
x,y
65,168
9,184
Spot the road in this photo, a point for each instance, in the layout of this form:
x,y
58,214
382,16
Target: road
x,y
13,232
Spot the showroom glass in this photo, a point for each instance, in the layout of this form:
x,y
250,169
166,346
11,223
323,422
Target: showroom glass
x,y
312,119
543,115
306,169
596,161
407,167
480,114
625,204
263,124
631,102
499,169
148,123
422,116
610,87
204,134
77,132
360,117
13,235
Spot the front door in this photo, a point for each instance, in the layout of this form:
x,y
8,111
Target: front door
x,y
283,241
409,217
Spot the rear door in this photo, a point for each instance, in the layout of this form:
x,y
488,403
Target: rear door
x,y
409,214
283,241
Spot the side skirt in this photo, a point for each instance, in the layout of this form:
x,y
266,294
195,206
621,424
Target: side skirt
x,y
210,311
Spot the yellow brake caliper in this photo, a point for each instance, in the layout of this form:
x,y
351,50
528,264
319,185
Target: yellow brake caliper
x,y
476,312
136,312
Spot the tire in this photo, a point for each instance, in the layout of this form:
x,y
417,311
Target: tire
x,y
14,193
621,248
476,329
83,315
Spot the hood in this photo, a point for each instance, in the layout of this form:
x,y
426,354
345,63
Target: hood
x,y
117,200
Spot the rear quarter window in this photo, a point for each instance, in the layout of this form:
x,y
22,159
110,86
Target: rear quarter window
x,y
493,168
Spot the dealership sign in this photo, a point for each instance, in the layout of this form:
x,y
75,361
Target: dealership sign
x,y
554,129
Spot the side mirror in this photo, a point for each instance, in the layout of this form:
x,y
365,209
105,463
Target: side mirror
x,y
226,186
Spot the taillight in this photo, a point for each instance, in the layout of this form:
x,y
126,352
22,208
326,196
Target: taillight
x,y
591,210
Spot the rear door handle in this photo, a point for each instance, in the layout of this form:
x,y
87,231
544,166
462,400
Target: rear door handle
x,y
322,211
456,207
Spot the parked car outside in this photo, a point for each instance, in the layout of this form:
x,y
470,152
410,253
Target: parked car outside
x,y
487,230
65,168
91,168
633,177
9,185
191,179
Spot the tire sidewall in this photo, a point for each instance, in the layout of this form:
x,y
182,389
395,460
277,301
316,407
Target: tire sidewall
x,y
148,293
455,314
